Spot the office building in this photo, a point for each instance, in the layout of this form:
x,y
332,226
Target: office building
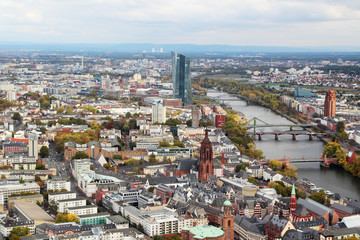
x,y
330,104
181,78
33,145
158,113
8,189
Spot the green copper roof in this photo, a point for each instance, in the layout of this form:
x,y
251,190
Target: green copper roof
x,y
203,231
293,190
227,203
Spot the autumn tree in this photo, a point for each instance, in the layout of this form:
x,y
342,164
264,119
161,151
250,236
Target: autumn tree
x,y
62,218
319,197
275,165
80,155
44,151
17,232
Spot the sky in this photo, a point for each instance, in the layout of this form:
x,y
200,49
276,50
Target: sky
x,y
236,22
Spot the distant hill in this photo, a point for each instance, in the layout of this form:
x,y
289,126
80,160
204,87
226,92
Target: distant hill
x,y
190,48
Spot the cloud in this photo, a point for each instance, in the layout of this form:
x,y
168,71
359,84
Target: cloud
x,y
238,22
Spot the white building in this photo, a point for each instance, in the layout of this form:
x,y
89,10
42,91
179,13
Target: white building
x,y
80,166
58,184
8,189
61,196
157,222
33,145
11,96
158,113
83,210
63,205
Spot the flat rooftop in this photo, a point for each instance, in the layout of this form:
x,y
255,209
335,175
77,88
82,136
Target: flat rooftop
x,y
34,212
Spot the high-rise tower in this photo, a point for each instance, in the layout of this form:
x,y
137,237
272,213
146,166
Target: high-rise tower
x,y
181,78
33,145
330,104
206,167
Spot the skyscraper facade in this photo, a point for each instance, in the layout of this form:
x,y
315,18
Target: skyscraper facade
x,y
181,78
330,104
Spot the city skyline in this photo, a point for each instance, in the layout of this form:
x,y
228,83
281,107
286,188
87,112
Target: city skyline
x,y
241,23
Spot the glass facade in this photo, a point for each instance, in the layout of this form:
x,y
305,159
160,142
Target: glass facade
x,y
181,78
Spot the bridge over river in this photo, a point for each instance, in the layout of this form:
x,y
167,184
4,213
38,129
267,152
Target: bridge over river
x,y
323,160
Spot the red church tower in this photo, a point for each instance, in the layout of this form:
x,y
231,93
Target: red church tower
x,y
206,167
293,200
227,221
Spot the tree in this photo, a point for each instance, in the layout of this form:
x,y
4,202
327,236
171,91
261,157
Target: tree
x,y
151,189
205,124
16,116
241,167
140,228
17,232
173,122
126,128
290,171
253,180
179,144
44,151
22,180
275,165
152,158
3,176
62,218
189,123
37,178
80,155
258,154
319,197
42,130
117,156
164,144
40,166
340,127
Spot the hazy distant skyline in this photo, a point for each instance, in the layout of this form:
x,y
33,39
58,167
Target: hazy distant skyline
x,y
236,22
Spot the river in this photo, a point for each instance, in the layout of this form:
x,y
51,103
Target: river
x,y
332,179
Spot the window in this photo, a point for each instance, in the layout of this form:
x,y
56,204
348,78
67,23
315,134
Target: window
x,y
229,235
229,223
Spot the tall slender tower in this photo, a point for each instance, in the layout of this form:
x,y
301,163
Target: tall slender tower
x,y
181,78
33,145
227,221
206,167
330,104
293,200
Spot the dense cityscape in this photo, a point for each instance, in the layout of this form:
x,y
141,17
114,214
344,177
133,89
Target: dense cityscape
x,y
154,145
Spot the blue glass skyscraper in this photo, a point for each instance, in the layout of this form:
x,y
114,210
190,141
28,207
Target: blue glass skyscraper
x,y
181,78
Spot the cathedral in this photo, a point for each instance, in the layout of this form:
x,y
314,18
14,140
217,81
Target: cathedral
x,y
206,167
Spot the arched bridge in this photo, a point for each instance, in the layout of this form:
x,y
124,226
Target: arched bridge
x,y
292,133
323,160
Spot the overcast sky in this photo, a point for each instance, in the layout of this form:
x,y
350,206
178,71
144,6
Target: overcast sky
x,y
235,22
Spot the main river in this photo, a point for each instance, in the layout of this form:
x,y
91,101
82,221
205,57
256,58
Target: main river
x,y
335,180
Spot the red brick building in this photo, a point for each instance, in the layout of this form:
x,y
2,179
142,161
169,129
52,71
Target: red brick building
x,y
175,103
206,167
330,104
92,149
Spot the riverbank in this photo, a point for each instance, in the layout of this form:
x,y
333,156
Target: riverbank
x,y
326,178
